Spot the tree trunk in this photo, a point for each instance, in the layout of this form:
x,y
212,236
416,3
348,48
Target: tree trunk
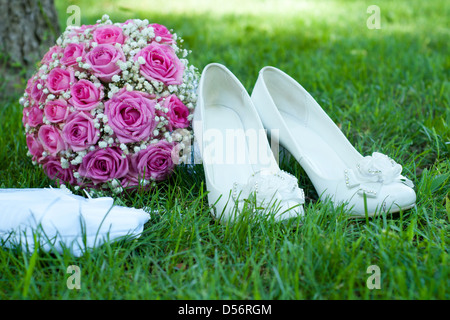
x,y
27,29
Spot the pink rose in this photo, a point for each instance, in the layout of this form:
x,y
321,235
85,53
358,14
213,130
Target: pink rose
x,y
102,165
52,168
162,32
71,53
130,180
25,112
178,113
56,110
30,85
108,34
35,147
60,80
131,115
35,88
35,116
48,57
79,132
103,60
76,31
85,95
161,64
153,163
51,139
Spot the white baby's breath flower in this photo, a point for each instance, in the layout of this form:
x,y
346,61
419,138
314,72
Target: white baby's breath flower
x,y
141,43
125,48
108,130
64,163
160,124
115,183
66,95
115,78
77,160
141,60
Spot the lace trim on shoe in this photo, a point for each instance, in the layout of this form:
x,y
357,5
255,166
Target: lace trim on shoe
x,y
266,187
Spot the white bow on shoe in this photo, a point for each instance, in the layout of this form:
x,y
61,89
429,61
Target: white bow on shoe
x,y
57,219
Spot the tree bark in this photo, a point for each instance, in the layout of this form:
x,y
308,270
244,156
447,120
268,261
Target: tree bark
x,y
27,29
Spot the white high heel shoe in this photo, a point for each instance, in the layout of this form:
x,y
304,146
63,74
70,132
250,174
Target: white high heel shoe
x,y
239,165
369,184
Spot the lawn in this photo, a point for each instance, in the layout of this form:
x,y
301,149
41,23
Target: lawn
x,y
388,91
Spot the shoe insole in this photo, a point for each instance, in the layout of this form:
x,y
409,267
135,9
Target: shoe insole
x,y
226,150
314,149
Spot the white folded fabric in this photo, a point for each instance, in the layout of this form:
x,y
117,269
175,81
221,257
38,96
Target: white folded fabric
x,y
58,219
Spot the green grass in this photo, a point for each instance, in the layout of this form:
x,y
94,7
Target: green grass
x,y
387,89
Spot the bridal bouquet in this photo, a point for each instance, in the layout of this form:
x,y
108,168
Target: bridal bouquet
x,y
111,105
